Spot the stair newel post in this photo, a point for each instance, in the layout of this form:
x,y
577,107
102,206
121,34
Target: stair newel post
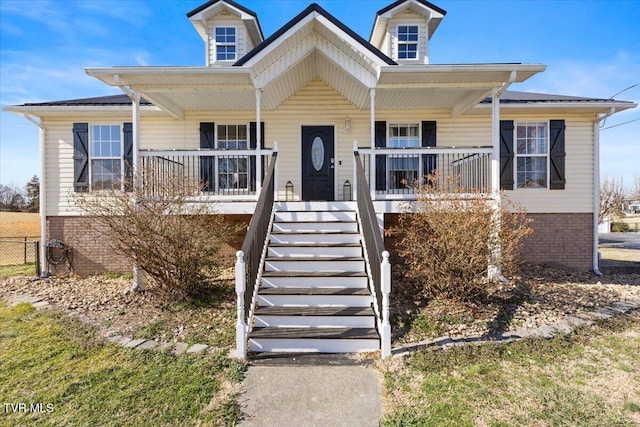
x,y
276,196
385,333
355,173
241,326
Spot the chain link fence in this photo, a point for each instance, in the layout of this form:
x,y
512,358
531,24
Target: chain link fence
x,y
19,255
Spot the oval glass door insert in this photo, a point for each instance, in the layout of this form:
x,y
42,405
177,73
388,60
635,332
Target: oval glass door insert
x,y
317,153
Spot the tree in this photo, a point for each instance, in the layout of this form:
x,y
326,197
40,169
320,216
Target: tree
x,y
32,193
611,197
11,197
635,188
170,236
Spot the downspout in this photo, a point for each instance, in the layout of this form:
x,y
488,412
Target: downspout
x,y
596,189
42,191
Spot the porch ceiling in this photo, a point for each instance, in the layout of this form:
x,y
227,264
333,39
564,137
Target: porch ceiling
x,y
176,90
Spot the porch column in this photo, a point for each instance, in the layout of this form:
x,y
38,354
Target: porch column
x,y
494,270
372,157
258,144
135,124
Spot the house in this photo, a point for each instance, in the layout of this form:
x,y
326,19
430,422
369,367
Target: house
x,y
296,110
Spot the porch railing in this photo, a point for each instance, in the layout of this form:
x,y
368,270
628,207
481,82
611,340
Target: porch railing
x,y
249,259
378,257
399,169
225,174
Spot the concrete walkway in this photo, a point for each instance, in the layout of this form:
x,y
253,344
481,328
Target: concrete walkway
x,y
321,395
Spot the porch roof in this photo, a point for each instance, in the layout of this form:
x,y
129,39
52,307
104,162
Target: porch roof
x,y
454,88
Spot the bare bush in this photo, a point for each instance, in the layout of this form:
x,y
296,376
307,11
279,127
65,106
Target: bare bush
x,y
171,236
611,198
448,238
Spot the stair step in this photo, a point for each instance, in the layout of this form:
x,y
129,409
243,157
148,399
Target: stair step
x,y
315,216
315,206
315,333
314,311
316,226
322,264
314,291
281,279
308,251
311,238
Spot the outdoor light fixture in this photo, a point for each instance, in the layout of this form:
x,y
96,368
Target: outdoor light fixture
x,y
346,191
289,191
347,125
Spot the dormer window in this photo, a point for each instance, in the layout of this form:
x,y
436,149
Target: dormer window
x,y
225,43
407,42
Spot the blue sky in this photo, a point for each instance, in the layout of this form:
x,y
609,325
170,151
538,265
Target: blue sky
x,y
591,48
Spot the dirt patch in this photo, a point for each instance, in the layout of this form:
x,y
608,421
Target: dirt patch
x,y
539,296
152,314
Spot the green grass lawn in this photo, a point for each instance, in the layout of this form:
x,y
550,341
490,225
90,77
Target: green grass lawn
x,y
589,378
81,381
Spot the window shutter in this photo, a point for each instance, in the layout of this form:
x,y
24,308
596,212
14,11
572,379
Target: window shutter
x,y
80,157
127,132
506,154
557,155
207,164
380,131
253,137
429,161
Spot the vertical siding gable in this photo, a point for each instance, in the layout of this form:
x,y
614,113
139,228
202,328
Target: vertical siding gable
x,y
408,18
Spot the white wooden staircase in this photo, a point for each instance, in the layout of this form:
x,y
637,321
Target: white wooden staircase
x,y
314,294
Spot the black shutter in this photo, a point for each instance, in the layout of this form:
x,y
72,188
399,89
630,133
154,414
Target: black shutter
x,y
253,139
506,154
127,133
207,164
380,130
557,155
429,161
80,157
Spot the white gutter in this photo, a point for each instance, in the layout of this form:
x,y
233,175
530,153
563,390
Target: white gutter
x,y
596,188
42,191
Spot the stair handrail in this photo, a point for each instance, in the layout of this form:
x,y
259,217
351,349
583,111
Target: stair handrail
x,y
249,258
380,267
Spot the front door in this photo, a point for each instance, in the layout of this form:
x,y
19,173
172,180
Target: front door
x,y
317,163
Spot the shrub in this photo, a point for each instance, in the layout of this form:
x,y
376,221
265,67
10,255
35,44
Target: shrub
x,y
447,236
619,227
172,237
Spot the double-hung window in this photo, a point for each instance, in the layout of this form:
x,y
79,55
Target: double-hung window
x,y
532,155
225,43
233,171
106,157
407,42
403,168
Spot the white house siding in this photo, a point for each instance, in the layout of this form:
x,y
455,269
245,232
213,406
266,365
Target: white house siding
x,y
409,18
59,162
243,43
577,197
319,104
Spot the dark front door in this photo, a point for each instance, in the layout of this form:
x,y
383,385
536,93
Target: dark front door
x,y
317,163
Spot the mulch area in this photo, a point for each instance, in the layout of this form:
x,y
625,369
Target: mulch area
x,y
151,314
537,297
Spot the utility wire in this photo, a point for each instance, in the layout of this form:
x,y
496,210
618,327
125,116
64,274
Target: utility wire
x,y
620,124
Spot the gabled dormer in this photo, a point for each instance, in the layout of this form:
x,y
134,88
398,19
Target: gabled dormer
x,y
228,29
403,29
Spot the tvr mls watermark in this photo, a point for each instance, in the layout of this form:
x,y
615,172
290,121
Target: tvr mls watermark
x,y
38,407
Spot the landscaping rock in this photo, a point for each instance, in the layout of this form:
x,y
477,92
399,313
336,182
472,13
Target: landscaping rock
x,y
197,348
148,345
179,348
134,343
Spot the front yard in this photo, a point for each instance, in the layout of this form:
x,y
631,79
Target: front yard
x,y
589,378
54,366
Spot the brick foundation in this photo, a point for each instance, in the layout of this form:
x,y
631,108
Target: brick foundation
x,y
561,240
558,240
92,255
